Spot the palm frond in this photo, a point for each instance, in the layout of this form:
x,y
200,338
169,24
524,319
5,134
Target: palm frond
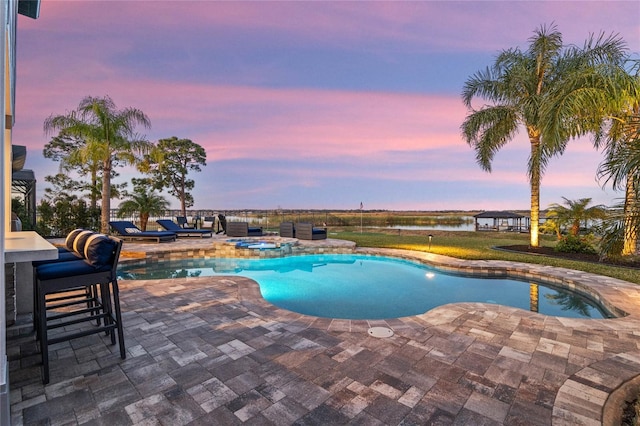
x,y
489,129
481,84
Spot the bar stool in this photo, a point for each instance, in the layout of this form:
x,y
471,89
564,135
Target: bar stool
x,y
70,251
97,270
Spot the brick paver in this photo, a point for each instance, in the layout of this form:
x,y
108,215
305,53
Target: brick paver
x,y
210,350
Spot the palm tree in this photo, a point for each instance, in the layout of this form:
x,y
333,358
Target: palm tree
x,y
621,166
576,213
110,137
613,232
144,201
525,87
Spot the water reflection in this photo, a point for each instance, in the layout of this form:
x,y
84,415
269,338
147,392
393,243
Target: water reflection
x,y
152,273
534,297
221,266
434,227
570,302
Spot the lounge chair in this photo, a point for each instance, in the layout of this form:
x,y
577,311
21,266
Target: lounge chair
x,y
171,226
287,230
306,231
130,232
208,222
183,222
242,229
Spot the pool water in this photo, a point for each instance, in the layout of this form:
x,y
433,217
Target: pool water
x,y
366,287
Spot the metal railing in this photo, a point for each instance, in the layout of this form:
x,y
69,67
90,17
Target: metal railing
x,y
344,219
269,219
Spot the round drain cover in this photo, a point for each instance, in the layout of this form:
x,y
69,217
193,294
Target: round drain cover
x,y
380,332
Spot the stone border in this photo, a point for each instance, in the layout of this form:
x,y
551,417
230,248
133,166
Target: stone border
x,y
627,392
226,248
597,393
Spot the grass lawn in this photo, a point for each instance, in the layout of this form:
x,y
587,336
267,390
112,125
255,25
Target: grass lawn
x,y
477,246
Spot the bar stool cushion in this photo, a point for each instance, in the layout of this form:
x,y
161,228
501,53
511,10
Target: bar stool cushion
x,y
71,238
68,269
80,241
63,256
99,250
65,253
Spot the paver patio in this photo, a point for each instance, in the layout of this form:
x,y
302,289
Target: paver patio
x,y
211,351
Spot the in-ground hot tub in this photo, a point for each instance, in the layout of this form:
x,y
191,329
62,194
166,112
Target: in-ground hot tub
x,y
256,247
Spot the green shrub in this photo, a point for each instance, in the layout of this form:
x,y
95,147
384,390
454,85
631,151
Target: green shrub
x,y
575,244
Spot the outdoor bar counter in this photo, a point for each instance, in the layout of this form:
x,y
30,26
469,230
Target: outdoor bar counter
x,y
20,249
27,246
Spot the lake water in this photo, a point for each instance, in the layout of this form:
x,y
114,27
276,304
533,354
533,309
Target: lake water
x,y
462,227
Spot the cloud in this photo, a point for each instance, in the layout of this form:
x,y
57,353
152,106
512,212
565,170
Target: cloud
x,y
414,26
317,102
232,122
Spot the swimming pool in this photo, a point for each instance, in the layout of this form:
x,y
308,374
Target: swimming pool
x,y
371,287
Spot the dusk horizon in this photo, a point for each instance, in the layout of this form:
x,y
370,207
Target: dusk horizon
x,y
309,105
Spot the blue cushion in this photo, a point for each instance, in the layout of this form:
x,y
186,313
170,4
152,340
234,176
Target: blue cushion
x,y
161,234
63,256
128,229
66,269
124,227
99,250
169,225
70,255
254,232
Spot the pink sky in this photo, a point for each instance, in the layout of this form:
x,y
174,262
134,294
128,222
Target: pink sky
x,y
308,105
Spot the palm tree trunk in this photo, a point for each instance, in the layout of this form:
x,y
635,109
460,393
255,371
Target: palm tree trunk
x,y
631,208
535,212
631,217
106,196
144,220
575,229
534,175
94,184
